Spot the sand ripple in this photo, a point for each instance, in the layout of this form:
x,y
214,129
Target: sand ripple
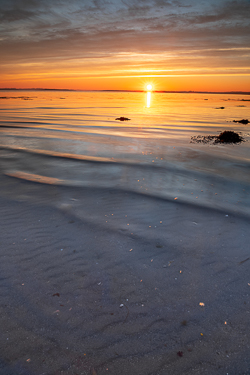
x,y
80,293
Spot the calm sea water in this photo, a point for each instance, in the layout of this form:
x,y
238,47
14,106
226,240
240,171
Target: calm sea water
x,y
74,139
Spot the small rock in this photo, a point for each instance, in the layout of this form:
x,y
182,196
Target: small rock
x,y
243,121
123,119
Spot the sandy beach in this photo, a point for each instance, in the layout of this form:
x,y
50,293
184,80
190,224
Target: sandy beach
x,y
156,288
121,266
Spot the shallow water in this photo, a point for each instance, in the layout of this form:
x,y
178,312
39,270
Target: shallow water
x,y
113,233
74,139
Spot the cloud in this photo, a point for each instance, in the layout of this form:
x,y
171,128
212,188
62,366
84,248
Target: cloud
x,y
229,11
138,15
15,15
173,34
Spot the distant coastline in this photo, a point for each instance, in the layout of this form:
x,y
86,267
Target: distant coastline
x,y
155,91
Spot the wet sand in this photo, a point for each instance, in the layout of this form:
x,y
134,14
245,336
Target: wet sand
x,y
97,281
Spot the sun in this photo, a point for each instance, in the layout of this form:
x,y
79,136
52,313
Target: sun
x,y
149,87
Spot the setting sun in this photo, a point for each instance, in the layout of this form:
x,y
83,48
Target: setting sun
x,y
149,87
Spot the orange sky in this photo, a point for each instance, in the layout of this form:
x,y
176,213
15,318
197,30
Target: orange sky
x,y
125,44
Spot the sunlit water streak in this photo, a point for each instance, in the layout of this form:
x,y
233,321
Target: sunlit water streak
x,y
74,139
148,99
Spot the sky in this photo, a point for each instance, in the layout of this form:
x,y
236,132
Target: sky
x,y
125,44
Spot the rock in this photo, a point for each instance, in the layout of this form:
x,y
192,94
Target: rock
x,y
245,122
123,119
229,136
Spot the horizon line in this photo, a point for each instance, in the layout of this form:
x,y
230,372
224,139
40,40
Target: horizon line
x,y
155,91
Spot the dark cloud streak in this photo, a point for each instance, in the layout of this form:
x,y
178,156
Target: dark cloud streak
x,y
15,15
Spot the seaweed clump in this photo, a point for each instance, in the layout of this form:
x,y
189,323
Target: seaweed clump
x,y
243,121
203,138
227,136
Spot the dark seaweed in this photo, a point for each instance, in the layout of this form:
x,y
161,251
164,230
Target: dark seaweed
x,y
227,136
243,121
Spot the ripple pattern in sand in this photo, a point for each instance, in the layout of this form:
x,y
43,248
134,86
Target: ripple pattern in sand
x,y
74,297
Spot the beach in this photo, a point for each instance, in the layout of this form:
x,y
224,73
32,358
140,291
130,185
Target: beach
x,y
124,246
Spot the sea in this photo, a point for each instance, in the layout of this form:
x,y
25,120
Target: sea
x,y
77,138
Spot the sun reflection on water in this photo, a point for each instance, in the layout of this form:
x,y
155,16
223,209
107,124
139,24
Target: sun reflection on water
x,y
148,99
